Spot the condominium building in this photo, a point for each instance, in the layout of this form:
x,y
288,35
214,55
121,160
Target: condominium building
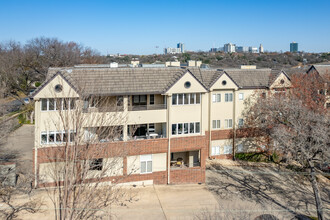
x,y
168,120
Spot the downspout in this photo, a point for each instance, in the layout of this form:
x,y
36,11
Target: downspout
x,y
210,120
35,166
35,147
234,123
169,138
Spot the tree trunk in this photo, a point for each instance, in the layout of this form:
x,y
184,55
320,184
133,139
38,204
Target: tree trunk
x,y
319,206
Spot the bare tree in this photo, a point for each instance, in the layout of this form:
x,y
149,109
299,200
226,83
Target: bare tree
x,y
294,123
21,66
83,171
10,186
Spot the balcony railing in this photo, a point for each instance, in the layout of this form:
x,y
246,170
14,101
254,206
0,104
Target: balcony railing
x,y
144,137
146,107
104,109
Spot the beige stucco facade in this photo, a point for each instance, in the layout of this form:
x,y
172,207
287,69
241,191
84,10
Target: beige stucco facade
x,y
223,103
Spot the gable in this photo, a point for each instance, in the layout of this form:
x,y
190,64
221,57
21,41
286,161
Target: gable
x,y
48,90
179,85
281,81
224,82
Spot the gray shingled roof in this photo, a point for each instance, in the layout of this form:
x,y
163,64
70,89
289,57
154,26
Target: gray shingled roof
x,y
128,81
322,69
251,78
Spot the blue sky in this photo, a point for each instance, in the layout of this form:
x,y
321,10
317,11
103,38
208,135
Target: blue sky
x,y
137,27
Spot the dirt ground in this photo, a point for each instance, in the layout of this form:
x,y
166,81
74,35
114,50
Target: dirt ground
x,y
149,202
253,189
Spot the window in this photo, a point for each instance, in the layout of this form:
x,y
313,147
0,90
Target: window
x,y
192,128
185,128
173,129
58,137
198,98
43,104
192,98
180,127
228,123
139,99
44,138
240,148
146,163
96,164
186,99
216,98
228,97
58,104
65,104
72,104
187,85
51,104
65,136
197,128
227,149
215,150
152,99
174,99
51,137
72,136
180,99
215,124
241,96
240,122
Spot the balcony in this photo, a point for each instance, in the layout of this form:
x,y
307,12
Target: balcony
x,y
146,107
183,160
146,131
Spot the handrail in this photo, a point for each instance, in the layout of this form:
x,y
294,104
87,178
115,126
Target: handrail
x,y
146,107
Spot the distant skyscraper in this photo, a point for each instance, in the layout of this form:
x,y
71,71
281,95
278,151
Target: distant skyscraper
x,y
178,49
241,49
229,48
261,49
181,46
293,47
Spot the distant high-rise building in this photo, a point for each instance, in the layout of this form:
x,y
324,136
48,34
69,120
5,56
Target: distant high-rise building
x,y
241,49
178,49
229,48
293,47
253,49
181,46
261,49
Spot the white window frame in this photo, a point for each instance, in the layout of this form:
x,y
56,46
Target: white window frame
x,y
228,123
215,150
240,96
216,97
145,159
227,149
217,124
44,133
48,135
182,133
228,97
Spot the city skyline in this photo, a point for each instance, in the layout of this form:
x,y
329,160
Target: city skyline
x,y
145,28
